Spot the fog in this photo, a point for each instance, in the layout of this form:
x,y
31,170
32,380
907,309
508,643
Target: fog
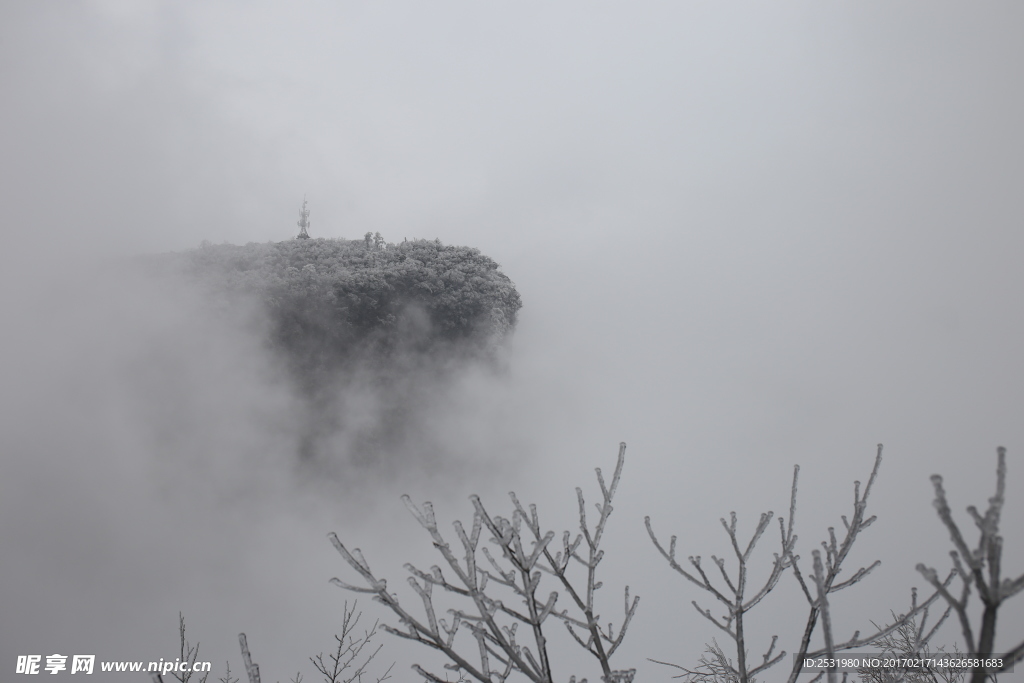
x,y
746,236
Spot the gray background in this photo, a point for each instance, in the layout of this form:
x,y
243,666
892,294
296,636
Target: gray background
x,y
746,235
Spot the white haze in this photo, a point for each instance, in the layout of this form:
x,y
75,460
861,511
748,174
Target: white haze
x,y
746,235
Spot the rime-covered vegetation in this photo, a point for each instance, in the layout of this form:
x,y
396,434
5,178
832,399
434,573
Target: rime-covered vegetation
x,y
500,631
506,584
330,300
337,313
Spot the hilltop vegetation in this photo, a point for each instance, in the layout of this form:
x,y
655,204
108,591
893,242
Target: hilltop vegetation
x,y
329,299
338,312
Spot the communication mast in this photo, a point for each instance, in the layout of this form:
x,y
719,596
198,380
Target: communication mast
x,y
303,221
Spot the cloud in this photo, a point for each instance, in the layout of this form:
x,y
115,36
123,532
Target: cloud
x,y
745,237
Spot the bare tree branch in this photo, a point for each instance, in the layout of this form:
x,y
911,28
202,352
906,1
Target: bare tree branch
x,y
971,566
527,555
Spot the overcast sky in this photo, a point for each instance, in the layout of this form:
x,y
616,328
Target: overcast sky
x,y
746,235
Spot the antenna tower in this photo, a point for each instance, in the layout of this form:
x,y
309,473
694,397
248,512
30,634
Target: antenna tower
x,y
303,221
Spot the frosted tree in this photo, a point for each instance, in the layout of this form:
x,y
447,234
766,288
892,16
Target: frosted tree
x,y
979,568
509,579
737,600
501,624
912,640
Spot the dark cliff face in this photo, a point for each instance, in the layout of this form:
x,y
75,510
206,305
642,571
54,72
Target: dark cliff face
x,y
367,334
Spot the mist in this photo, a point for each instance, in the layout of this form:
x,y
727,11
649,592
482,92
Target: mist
x,y
745,236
